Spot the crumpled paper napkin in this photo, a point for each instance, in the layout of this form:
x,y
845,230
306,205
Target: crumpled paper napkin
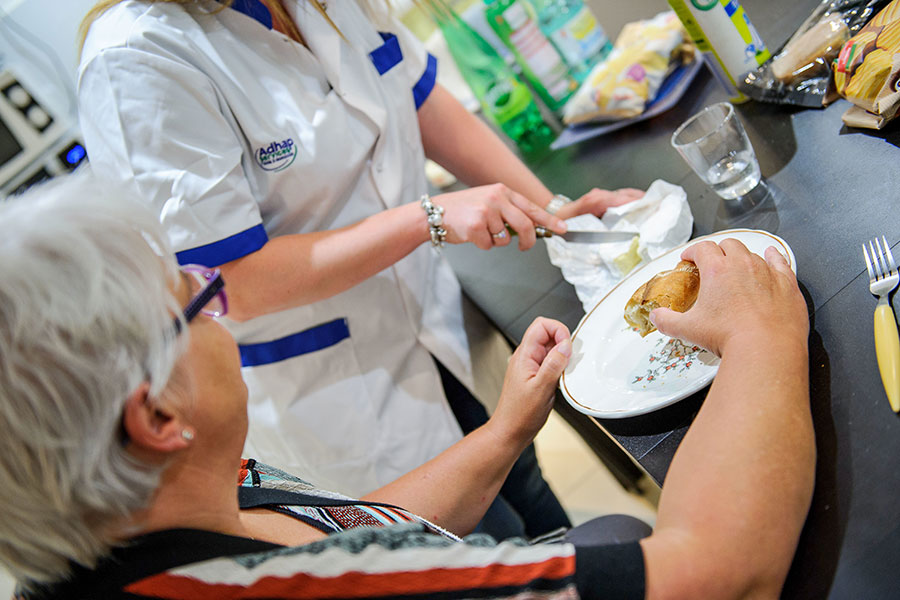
x,y
662,218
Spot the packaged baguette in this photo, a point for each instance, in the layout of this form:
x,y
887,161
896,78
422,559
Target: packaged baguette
x,y
868,68
802,55
801,71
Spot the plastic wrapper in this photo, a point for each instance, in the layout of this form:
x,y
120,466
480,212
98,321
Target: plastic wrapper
x,y
868,69
622,85
801,73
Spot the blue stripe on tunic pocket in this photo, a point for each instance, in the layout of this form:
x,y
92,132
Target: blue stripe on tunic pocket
x,y
226,250
310,340
388,55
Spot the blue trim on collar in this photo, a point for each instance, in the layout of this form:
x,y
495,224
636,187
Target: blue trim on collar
x,y
423,87
225,250
255,10
310,340
388,55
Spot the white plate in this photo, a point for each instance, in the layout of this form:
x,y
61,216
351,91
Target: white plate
x,y
615,373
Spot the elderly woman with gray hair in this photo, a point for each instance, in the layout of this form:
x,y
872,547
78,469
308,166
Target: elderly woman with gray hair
x,y
124,415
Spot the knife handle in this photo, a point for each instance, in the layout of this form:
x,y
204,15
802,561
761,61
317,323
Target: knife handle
x,y
539,230
887,349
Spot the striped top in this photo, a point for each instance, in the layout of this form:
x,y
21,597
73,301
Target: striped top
x,y
333,512
373,553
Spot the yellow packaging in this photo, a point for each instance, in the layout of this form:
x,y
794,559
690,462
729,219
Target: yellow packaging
x,y
868,68
621,86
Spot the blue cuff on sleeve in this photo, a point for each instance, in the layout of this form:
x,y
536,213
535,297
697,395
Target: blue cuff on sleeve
x,y
423,87
388,55
226,250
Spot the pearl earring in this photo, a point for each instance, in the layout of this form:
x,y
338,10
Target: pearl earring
x,y
187,435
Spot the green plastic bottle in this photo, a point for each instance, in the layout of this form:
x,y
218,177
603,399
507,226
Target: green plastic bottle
x,y
516,25
574,30
505,101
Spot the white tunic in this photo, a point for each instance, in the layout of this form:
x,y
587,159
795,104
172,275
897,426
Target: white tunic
x,y
235,134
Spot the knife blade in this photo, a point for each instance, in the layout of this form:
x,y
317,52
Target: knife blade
x,y
590,237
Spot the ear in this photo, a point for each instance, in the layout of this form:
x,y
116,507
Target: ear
x,y
152,427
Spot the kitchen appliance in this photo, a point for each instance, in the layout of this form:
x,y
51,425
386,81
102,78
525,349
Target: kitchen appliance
x,y
34,143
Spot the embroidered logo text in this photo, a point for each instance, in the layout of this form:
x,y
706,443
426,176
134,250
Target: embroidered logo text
x,y
277,155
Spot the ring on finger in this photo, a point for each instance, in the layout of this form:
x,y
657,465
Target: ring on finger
x,y
499,236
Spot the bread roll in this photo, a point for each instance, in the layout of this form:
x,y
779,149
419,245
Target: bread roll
x,y
676,289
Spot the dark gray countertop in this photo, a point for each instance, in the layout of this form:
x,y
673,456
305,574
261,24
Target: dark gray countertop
x,y
832,188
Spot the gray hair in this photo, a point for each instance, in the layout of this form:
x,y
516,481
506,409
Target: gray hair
x,y
86,316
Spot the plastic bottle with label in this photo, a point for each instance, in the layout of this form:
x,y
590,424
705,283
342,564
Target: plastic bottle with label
x,y
475,18
505,101
516,24
574,30
730,43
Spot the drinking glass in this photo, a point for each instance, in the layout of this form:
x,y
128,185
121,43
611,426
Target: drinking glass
x,y
714,144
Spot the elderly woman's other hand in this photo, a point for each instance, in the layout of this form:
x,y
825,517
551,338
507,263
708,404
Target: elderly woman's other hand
x,y
479,215
531,379
741,296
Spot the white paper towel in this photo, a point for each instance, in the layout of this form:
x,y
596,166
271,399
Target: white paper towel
x,y
662,218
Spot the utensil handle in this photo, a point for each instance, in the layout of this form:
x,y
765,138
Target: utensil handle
x,y
539,230
887,349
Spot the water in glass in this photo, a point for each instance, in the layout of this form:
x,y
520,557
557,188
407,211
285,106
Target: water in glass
x,y
735,175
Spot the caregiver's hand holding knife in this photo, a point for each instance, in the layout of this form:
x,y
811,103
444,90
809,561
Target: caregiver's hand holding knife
x,y
491,215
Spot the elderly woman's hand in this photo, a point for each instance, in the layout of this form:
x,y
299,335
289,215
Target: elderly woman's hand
x,y
479,215
597,201
742,297
531,379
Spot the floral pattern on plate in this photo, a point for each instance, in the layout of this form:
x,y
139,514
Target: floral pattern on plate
x,y
670,358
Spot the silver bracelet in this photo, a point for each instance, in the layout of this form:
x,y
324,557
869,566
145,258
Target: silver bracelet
x,y
556,203
435,215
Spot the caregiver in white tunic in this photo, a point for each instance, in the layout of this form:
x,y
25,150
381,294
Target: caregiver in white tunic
x,y
298,168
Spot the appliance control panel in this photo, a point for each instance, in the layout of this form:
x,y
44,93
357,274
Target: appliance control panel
x,y
35,144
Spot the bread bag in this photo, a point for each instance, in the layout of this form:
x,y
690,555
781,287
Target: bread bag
x,y
622,85
868,68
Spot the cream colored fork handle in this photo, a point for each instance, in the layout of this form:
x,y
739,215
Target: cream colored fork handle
x,y
887,349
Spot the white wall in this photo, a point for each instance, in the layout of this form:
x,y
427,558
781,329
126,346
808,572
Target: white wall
x,y
38,41
6,584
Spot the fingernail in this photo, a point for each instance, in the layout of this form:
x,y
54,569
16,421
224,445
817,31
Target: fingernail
x,y
563,225
652,318
565,348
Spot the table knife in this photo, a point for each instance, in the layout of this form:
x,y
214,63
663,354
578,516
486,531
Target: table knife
x,y
589,237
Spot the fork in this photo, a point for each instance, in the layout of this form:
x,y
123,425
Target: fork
x,y
883,278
